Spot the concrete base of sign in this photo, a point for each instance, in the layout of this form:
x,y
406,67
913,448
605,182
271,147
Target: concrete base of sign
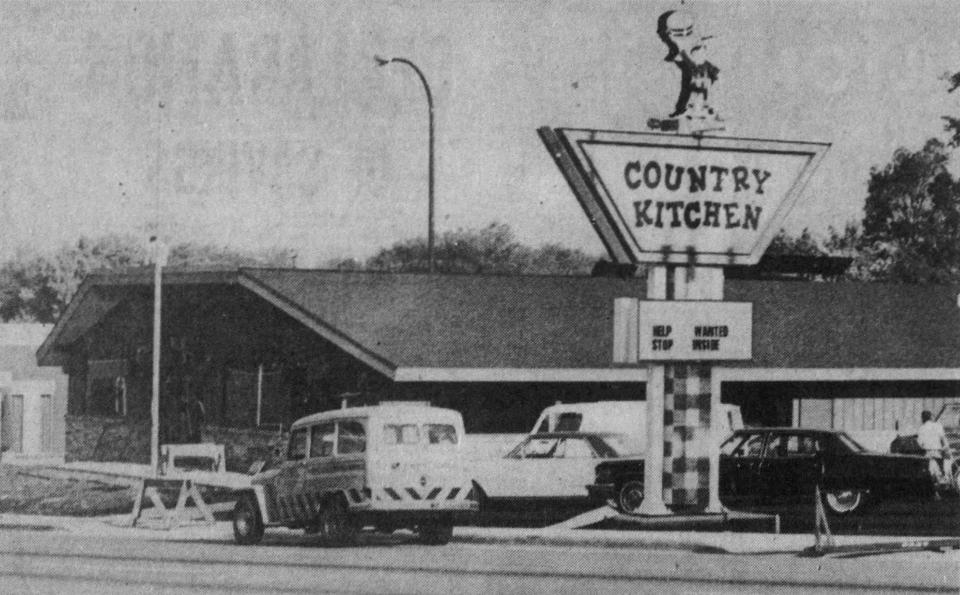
x,y
652,508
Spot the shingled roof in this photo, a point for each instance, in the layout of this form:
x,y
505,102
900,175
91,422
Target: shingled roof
x,y
544,322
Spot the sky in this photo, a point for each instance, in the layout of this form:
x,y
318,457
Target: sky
x,y
268,124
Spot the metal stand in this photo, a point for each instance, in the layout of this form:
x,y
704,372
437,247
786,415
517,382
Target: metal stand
x,y
823,539
824,543
171,518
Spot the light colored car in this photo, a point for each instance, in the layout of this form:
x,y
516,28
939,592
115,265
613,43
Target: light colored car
x,y
628,418
550,467
388,466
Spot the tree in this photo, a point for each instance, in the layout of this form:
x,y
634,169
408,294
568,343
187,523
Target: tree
x,y
193,254
785,244
952,125
36,287
489,250
911,223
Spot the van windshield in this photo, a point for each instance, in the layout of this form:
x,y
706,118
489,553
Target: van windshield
x,y
569,422
424,434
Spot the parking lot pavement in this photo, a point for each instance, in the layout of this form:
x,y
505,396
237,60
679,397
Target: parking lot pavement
x,y
719,542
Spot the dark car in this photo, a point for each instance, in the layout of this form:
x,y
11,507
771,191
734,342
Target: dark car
x,y
771,466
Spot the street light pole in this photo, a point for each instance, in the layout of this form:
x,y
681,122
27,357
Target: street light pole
x,y
426,88
158,253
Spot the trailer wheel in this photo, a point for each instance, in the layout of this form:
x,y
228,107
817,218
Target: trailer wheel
x,y
247,522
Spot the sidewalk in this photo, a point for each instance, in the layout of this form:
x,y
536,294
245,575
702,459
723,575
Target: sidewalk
x,y
705,542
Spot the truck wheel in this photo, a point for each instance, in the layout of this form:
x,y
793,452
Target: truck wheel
x,y
843,502
335,524
437,533
630,496
247,522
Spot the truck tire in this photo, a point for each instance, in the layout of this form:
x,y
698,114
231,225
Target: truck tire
x,y
247,522
335,523
436,533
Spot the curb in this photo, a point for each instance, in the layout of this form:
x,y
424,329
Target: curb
x,y
573,537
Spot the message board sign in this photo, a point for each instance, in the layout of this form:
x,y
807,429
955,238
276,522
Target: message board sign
x,y
695,330
683,199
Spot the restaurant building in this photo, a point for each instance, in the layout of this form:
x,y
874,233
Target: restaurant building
x,y
246,351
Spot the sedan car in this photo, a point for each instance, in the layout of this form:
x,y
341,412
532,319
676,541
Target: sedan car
x,y
551,468
770,466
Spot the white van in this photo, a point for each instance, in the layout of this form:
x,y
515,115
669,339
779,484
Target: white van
x,y
388,466
619,417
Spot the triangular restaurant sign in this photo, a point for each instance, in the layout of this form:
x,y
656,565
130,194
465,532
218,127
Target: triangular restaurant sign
x,y
671,198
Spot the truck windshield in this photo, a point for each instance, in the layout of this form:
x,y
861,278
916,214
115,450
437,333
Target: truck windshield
x,y
426,434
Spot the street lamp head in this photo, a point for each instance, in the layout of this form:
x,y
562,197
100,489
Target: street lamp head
x,y
381,61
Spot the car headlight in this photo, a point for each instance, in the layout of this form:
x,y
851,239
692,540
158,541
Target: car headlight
x,y
604,475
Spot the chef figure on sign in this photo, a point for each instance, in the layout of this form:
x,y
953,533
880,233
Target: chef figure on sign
x,y
693,113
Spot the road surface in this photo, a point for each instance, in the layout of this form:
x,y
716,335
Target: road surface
x,y
287,562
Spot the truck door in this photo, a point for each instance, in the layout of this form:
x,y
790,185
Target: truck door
x,y
290,477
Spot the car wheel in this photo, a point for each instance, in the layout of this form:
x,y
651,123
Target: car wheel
x,y
437,533
842,502
247,522
335,523
630,496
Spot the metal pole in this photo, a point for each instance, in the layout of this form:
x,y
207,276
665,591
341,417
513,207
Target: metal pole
x,y
430,204
155,400
259,393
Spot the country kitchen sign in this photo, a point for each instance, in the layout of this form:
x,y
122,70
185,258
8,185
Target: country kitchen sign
x,y
693,200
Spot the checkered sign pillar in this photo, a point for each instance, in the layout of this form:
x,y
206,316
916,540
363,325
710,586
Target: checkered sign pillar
x,y
686,436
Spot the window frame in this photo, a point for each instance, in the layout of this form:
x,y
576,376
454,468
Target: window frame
x,y
306,444
333,446
338,433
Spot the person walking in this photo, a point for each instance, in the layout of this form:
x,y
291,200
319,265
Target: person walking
x,y
933,440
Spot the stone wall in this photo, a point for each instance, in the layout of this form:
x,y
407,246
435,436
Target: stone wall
x,y
92,438
243,446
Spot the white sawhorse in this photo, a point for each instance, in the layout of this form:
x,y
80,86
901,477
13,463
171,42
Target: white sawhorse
x,y
171,518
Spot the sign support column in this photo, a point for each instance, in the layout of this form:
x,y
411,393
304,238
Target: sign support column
x,y
653,459
706,283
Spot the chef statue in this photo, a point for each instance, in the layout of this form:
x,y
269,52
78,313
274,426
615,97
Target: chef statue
x,y
688,50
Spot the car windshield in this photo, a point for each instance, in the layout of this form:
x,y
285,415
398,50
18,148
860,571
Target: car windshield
x,y
851,444
743,445
567,447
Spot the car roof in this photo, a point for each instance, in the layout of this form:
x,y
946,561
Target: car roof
x,y
785,430
385,411
549,435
